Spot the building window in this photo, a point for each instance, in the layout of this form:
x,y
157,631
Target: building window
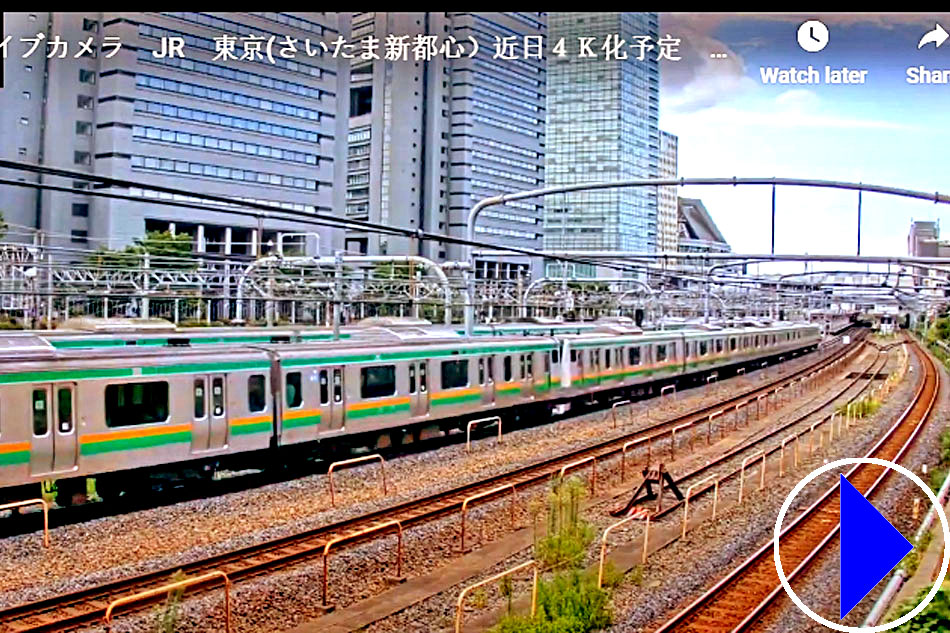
x,y
87,76
82,158
32,17
84,102
79,237
21,151
80,209
136,403
26,95
28,68
83,128
90,25
24,120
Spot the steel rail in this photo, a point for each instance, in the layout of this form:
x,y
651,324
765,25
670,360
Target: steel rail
x,y
740,599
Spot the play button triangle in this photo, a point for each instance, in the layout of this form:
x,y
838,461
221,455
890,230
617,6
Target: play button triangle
x,y
870,546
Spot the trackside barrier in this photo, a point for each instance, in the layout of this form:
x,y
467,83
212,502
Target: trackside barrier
x,y
603,545
350,462
355,535
488,493
593,470
613,409
759,409
152,593
668,390
629,445
722,429
468,430
811,435
740,371
736,414
689,491
516,568
781,464
745,462
33,502
673,439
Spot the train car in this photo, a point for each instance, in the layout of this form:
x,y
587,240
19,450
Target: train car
x,y
122,414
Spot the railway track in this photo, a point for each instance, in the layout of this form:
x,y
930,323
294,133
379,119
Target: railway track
x,y
743,597
88,606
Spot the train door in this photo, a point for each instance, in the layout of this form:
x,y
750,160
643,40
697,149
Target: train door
x,y
54,444
486,378
209,427
332,398
527,374
419,387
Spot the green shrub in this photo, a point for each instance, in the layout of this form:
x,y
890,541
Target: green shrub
x,y
170,612
568,603
568,536
936,617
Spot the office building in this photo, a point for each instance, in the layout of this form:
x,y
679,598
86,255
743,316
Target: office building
x,y
244,128
667,207
430,138
602,126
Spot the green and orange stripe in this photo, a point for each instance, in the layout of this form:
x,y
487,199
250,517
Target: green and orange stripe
x,y
134,439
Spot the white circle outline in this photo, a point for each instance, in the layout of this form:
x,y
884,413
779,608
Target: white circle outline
x,y
787,504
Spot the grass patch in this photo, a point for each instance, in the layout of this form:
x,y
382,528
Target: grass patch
x,y
570,601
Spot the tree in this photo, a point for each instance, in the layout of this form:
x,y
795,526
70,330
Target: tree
x,y
165,250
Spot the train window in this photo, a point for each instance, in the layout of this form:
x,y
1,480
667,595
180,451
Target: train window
x,y
732,345
547,365
755,342
294,390
64,409
256,393
412,377
378,381
555,356
324,387
529,365
507,368
573,355
338,385
136,403
454,374
660,353
481,371
200,404
633,355
703,348
423,382
521,366
217,397
40,419
491,368
618,356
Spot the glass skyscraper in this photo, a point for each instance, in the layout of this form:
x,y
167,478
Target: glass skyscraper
x,y
603,118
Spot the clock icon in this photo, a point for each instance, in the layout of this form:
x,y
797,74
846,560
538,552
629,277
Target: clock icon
x,y
812,36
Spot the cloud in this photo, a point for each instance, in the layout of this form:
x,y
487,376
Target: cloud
x,y
793,109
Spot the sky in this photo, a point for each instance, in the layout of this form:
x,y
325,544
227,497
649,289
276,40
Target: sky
x,y
885,132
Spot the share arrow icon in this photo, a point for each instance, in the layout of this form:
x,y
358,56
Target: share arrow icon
x,y
938,36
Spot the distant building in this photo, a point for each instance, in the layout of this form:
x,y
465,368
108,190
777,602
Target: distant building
x,y
429,139
698,232
923,240
603,118
667,212
245,129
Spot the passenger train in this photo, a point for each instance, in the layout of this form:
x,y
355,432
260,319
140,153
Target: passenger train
x,y
121,414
